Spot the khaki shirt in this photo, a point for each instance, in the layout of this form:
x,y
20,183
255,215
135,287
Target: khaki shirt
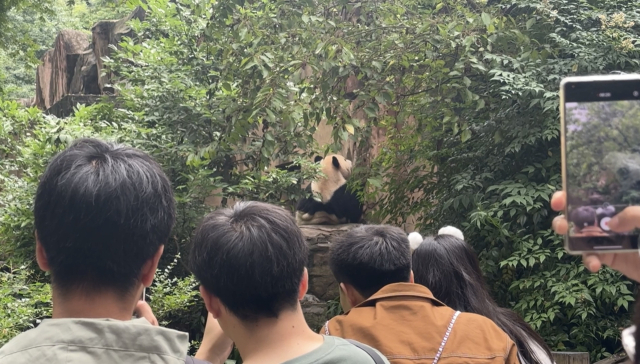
x,y
99,341
407,325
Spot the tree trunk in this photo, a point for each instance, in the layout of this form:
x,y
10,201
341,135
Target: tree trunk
x,y
85,75
105,33
43,81
68,46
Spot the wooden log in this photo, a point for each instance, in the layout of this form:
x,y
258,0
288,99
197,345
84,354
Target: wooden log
x,y
85,75
570,358
68,46
43,80
322,284
106,33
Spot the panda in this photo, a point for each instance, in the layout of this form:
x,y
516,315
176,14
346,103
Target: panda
x,y
330,203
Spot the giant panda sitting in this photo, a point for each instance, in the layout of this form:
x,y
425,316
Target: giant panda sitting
x,y
331,203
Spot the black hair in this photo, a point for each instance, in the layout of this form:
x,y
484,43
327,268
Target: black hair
x,y
370,257
583,216
450,269
102,210
251,257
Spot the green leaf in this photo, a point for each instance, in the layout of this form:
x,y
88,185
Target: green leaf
x,y
486,19
466,134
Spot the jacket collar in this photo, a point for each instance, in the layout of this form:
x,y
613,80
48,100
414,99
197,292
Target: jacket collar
x,y
395,290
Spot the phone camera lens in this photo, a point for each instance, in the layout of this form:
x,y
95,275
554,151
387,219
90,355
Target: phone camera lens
x,y
636,93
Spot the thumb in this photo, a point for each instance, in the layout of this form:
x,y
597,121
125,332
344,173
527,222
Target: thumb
x,y
626,220
144,310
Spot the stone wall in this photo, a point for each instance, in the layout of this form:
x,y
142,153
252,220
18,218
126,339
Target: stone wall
x,y
322,286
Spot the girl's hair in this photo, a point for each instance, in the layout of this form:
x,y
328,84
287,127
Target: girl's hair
x,y
450,269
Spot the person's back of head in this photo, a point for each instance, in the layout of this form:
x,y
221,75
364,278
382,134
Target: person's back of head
x,y
252,257
449,267
102,212
368,258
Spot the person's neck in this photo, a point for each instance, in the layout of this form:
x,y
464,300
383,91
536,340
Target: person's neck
x,y
274,340
91,305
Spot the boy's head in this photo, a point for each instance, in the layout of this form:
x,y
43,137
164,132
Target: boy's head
x,y
250,259
368,258
102,215
583,216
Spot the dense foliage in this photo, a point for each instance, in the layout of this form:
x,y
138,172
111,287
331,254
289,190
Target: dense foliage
x,y
483,153
219,91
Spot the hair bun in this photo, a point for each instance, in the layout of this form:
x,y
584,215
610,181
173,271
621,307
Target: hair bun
x,y
453,231
415,239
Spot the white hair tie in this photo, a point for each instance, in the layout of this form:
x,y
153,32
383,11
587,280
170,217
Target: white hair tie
x,y
415,239
453,231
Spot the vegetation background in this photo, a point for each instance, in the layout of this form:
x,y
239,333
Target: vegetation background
x,y
465,89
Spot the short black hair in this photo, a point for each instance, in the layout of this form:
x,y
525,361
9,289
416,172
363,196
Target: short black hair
x,y
252,257
101,211
370,257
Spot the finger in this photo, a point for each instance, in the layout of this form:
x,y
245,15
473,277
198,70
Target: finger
x,y
626,220
558,201
144,310
592,262
559,225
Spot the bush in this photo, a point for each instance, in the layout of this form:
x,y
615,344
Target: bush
x,y
483,153
22,302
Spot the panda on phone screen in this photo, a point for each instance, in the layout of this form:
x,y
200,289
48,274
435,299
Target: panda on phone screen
x,y
330,203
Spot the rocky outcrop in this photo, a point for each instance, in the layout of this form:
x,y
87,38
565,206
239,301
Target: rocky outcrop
x,y
319,237
322,285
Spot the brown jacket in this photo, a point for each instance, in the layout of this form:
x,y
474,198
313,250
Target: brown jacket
x,y
407,324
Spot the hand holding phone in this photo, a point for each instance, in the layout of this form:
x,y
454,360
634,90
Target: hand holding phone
x,y
625,263
600,160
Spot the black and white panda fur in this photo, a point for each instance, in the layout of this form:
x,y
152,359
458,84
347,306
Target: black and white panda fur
x,y
330,202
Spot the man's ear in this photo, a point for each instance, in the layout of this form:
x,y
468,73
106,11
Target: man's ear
x,y
411,278
353,297
149,268
41,256
212,303
304,284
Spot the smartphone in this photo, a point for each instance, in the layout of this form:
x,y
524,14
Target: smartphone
x,y
600,146
142,298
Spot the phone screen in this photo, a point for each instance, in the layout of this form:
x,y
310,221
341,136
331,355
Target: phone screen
x,y
602,161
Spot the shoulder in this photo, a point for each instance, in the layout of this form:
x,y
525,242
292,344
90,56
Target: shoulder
x,y
481,333
345,352
479,323
26,341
